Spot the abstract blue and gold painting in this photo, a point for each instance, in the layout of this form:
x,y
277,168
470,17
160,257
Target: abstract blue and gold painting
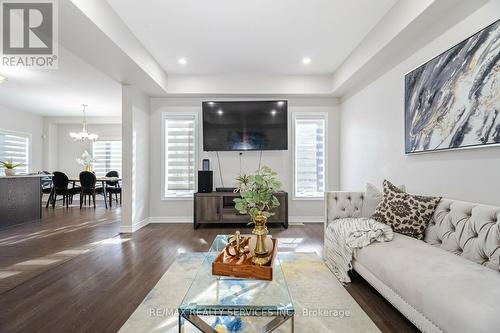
x,y
453,100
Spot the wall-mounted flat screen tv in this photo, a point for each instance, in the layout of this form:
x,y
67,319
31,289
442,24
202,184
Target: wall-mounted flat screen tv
x,y
253,125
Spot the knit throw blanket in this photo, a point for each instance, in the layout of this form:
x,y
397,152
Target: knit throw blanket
x,y
344,236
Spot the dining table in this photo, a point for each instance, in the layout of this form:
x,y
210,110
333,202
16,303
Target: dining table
x,y
101,180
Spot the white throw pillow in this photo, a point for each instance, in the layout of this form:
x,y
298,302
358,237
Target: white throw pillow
x,y
372,198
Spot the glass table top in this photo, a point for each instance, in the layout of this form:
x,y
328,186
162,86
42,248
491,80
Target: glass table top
x,y
220,295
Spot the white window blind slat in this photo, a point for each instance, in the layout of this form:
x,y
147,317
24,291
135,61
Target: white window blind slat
x,y
309,157
180,155
15,147
108,155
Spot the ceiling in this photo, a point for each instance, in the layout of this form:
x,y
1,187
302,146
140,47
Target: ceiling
x,y
61,92
217,37
250,36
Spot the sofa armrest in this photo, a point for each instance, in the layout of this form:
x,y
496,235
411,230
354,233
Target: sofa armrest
x,y
339,204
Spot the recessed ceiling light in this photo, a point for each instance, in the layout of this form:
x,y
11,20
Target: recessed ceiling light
x,y
3,79
273,112
182,61
220,111
280,103
306,61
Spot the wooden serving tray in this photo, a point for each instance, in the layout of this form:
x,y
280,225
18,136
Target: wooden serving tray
x,y
229,266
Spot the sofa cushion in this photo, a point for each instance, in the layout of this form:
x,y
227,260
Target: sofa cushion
x,y
343,204
372,198
456,294
408,214
468,230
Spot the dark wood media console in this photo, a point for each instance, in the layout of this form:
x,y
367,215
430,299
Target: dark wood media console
x,y
218,207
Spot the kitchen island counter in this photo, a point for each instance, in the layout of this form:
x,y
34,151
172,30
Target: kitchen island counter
x,y
20,199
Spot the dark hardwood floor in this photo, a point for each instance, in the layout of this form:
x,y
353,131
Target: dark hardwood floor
x,y
98,290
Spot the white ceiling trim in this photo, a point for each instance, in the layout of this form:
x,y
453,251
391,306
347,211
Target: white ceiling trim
x,y
92,29
250,84
407,27
105,120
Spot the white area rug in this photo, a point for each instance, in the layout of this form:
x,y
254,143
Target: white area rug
x,y
321,303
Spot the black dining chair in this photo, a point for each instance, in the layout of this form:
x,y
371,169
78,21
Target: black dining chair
x,y
115,175
61,187
113,187
87,187
45,185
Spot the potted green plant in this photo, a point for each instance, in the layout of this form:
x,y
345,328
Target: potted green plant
x,y
258,200
9,167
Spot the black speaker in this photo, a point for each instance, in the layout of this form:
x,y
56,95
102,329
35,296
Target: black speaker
x,y
206,165
205,181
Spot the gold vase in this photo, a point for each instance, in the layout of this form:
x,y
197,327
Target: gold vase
x,y
88,168
261,256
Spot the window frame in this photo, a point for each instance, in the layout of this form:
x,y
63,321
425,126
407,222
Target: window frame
x,y
105,138
29,136
179,115
309,115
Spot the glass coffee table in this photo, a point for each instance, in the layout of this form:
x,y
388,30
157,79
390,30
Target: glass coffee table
x,y
226,304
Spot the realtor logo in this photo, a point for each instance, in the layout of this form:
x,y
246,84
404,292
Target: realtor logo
x,y
29,33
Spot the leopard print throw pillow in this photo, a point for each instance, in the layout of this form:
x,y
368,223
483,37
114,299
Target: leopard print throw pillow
x,y
407,214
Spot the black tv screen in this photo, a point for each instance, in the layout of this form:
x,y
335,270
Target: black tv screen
x,y
255,125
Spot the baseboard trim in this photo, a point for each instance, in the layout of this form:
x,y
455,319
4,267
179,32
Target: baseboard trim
x,y
306,219
171,219
128,229
189,219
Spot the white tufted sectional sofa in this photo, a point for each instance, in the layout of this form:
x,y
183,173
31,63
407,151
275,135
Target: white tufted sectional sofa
x,y
450,282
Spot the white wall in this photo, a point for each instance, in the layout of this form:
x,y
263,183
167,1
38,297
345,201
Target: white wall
x,y
135,159
68,150
14,120
57,141
372,134
182,210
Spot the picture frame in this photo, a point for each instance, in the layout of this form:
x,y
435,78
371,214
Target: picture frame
x,y
452,101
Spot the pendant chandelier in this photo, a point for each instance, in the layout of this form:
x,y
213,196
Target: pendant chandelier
x,y
84,135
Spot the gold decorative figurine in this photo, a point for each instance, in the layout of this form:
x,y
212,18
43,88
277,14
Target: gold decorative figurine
x,y
236,247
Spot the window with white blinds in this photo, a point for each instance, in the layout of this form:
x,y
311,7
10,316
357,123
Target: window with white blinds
x,y
309,155
179,155
15,147
108,155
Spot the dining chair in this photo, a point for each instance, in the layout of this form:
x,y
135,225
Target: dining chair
x,y
60,183
113,187
113,184
45,185
87,186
